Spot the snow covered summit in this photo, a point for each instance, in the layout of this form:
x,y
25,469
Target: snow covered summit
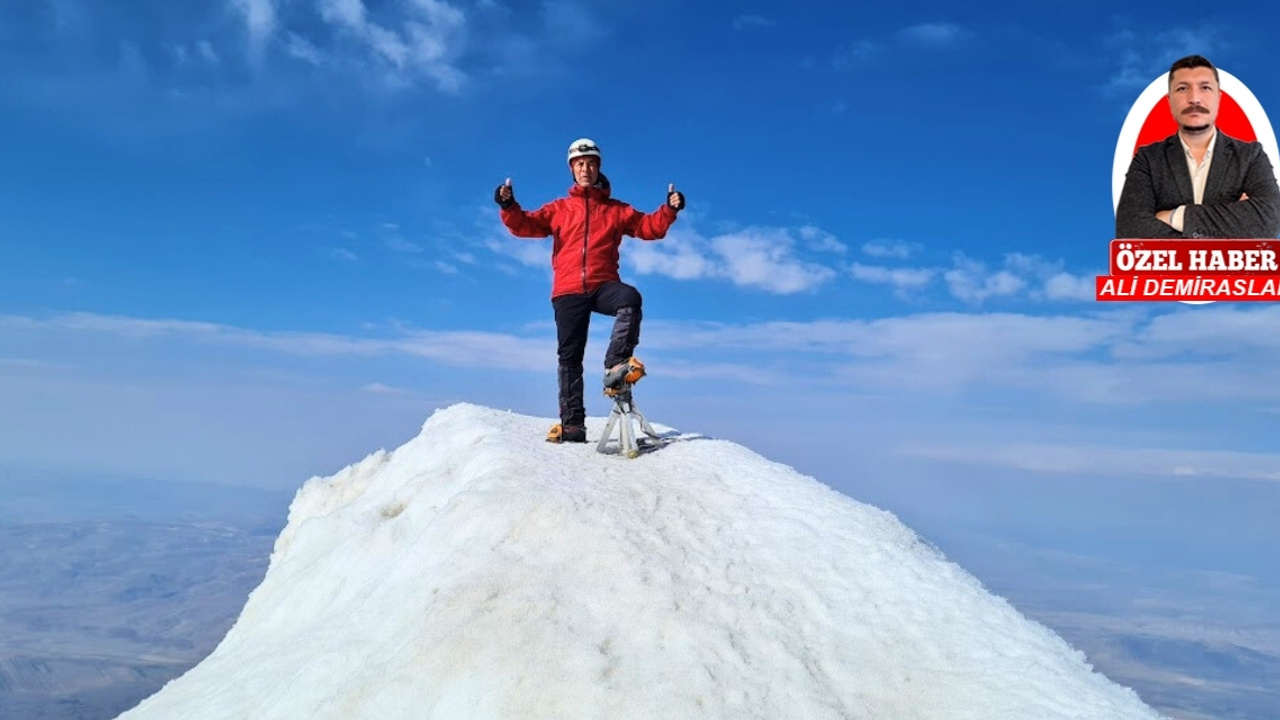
x,y
479,572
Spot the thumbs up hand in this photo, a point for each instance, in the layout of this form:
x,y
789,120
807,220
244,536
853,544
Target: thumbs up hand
x,y
675,198
504,196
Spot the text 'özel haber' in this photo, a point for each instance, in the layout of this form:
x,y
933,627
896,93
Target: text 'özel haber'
x,y
1198,261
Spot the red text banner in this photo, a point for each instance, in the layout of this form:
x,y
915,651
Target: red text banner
x,y
1250,287
1195,257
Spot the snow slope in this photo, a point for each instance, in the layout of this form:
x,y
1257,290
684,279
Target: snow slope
x,y
480,572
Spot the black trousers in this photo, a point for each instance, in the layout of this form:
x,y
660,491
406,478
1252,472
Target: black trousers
x,y
573,320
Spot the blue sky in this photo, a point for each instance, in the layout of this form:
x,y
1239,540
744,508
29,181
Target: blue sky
x,y
251,240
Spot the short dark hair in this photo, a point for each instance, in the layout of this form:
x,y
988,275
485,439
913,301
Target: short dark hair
x,y
1192,61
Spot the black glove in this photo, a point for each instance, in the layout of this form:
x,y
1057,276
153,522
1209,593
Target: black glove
x,y
676,200
497,196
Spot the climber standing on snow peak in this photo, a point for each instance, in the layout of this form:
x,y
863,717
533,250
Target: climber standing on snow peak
x,y
586,228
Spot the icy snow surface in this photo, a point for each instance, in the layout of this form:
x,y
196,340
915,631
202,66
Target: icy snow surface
x,y
480,572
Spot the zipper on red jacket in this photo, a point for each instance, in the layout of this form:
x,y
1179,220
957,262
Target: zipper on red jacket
x,y
586,236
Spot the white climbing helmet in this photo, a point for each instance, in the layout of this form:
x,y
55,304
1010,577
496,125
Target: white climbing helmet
x,y
583,146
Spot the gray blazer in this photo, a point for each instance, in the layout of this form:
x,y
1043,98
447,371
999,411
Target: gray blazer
x,y
1158,179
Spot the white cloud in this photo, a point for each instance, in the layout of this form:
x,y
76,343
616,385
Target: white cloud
x,y
1065,286
765,259
206,51
931,353
133,65
70,17
302,49
677,258
1222,357
720,372
898,249
529,252
774,259
752,21
345,12
343,254
260,21
902,280
1146,53
940,337
970,281
1216,329
1030,264
759,258
524,252
1047,280
1106,460
821,240
114,325
554,44
380,389
401,245
937,33
1113,357
854,54
24,364
460,348
859,52
777,260
570,21
425,45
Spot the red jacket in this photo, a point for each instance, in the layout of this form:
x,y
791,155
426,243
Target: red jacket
x,y
587,228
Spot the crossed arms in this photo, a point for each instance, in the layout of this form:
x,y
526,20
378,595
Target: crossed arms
x,y
1256,214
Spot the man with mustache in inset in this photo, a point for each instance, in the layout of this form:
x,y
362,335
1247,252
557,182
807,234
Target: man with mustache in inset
x,y
1198,182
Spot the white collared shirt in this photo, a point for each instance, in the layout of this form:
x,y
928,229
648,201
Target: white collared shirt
x,y
1199,174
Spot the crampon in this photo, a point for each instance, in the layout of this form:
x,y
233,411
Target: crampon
x,y
625,413
622,376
